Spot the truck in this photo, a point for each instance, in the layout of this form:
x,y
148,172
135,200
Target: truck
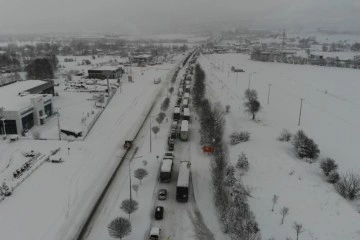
x,y
183,182
166,170
176,114
186,114
184,131
154,233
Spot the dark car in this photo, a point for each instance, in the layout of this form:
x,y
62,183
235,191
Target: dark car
x,y
162,194
159,212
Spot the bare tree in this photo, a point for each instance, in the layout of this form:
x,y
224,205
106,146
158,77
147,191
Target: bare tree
x,y
155,129
135,187
119,228
284,211
274,201
129,206
298,228
349,186
140,174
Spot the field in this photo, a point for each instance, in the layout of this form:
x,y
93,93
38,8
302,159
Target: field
x,y
330,116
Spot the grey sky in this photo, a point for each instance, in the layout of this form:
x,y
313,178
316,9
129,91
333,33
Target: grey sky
x,y
139,16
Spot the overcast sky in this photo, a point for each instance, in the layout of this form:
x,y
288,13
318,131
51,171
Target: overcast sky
x,y
144,16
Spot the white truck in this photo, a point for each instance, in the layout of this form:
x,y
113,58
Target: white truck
x,y
155,233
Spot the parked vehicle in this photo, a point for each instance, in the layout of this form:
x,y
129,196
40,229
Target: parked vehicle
x,y
162,194
159,212
186,114
155,233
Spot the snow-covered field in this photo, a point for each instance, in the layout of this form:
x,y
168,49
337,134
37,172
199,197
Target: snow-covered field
x,y
330,116
53,201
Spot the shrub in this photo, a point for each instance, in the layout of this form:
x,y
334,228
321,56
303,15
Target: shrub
x,y
305,146
328,165
242,162
333,177
227,108
348,186
285,136
236,137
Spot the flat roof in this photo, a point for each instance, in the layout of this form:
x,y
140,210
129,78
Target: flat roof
x,y
184,125
187,111
106,68
10,99
184,174
166,165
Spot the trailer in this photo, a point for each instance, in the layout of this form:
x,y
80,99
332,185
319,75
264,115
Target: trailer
x,y
183,182
186,114
184,132
166,170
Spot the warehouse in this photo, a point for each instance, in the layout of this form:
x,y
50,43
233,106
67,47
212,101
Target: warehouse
x,y
111,72
25,104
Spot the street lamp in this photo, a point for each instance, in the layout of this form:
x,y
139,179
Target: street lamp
x,y
250,79
130,174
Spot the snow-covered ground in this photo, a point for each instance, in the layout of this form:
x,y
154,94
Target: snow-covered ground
x,y
53,201
330,116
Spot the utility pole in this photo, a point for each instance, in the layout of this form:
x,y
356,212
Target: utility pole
x,y
150,132
249,81
269,93
237,77
301,101
58,120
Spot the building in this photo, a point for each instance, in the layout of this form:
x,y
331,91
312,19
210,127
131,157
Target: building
x,y
25,104
144,58
112,72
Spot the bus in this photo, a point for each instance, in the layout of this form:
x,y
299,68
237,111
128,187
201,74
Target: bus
x,y
184,130
183,183
166,170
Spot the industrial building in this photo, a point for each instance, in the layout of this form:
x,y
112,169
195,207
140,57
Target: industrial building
x,y
111,72
24,104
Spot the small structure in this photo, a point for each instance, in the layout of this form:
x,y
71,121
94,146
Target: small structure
x,y
144,58
112,72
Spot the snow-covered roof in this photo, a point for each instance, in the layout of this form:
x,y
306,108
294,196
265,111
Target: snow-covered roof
x,y
184,125
187,95
154,231
10,98
184,174
185,101
107,68
166,165
177,110
186,111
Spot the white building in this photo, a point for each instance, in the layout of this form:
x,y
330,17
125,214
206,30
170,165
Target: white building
x,y
25,104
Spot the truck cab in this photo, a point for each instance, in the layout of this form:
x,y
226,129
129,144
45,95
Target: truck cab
x,y
154,233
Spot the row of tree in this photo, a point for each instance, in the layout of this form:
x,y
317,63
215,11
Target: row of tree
x,y
230,195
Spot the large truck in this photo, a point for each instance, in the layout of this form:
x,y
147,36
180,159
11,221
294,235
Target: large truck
x,y
184,130
183,182
166,170
186,114
176,114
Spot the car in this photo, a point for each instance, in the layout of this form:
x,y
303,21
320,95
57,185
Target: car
x,y
162,194
171,147
55,159
169,155
155,233
159,212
